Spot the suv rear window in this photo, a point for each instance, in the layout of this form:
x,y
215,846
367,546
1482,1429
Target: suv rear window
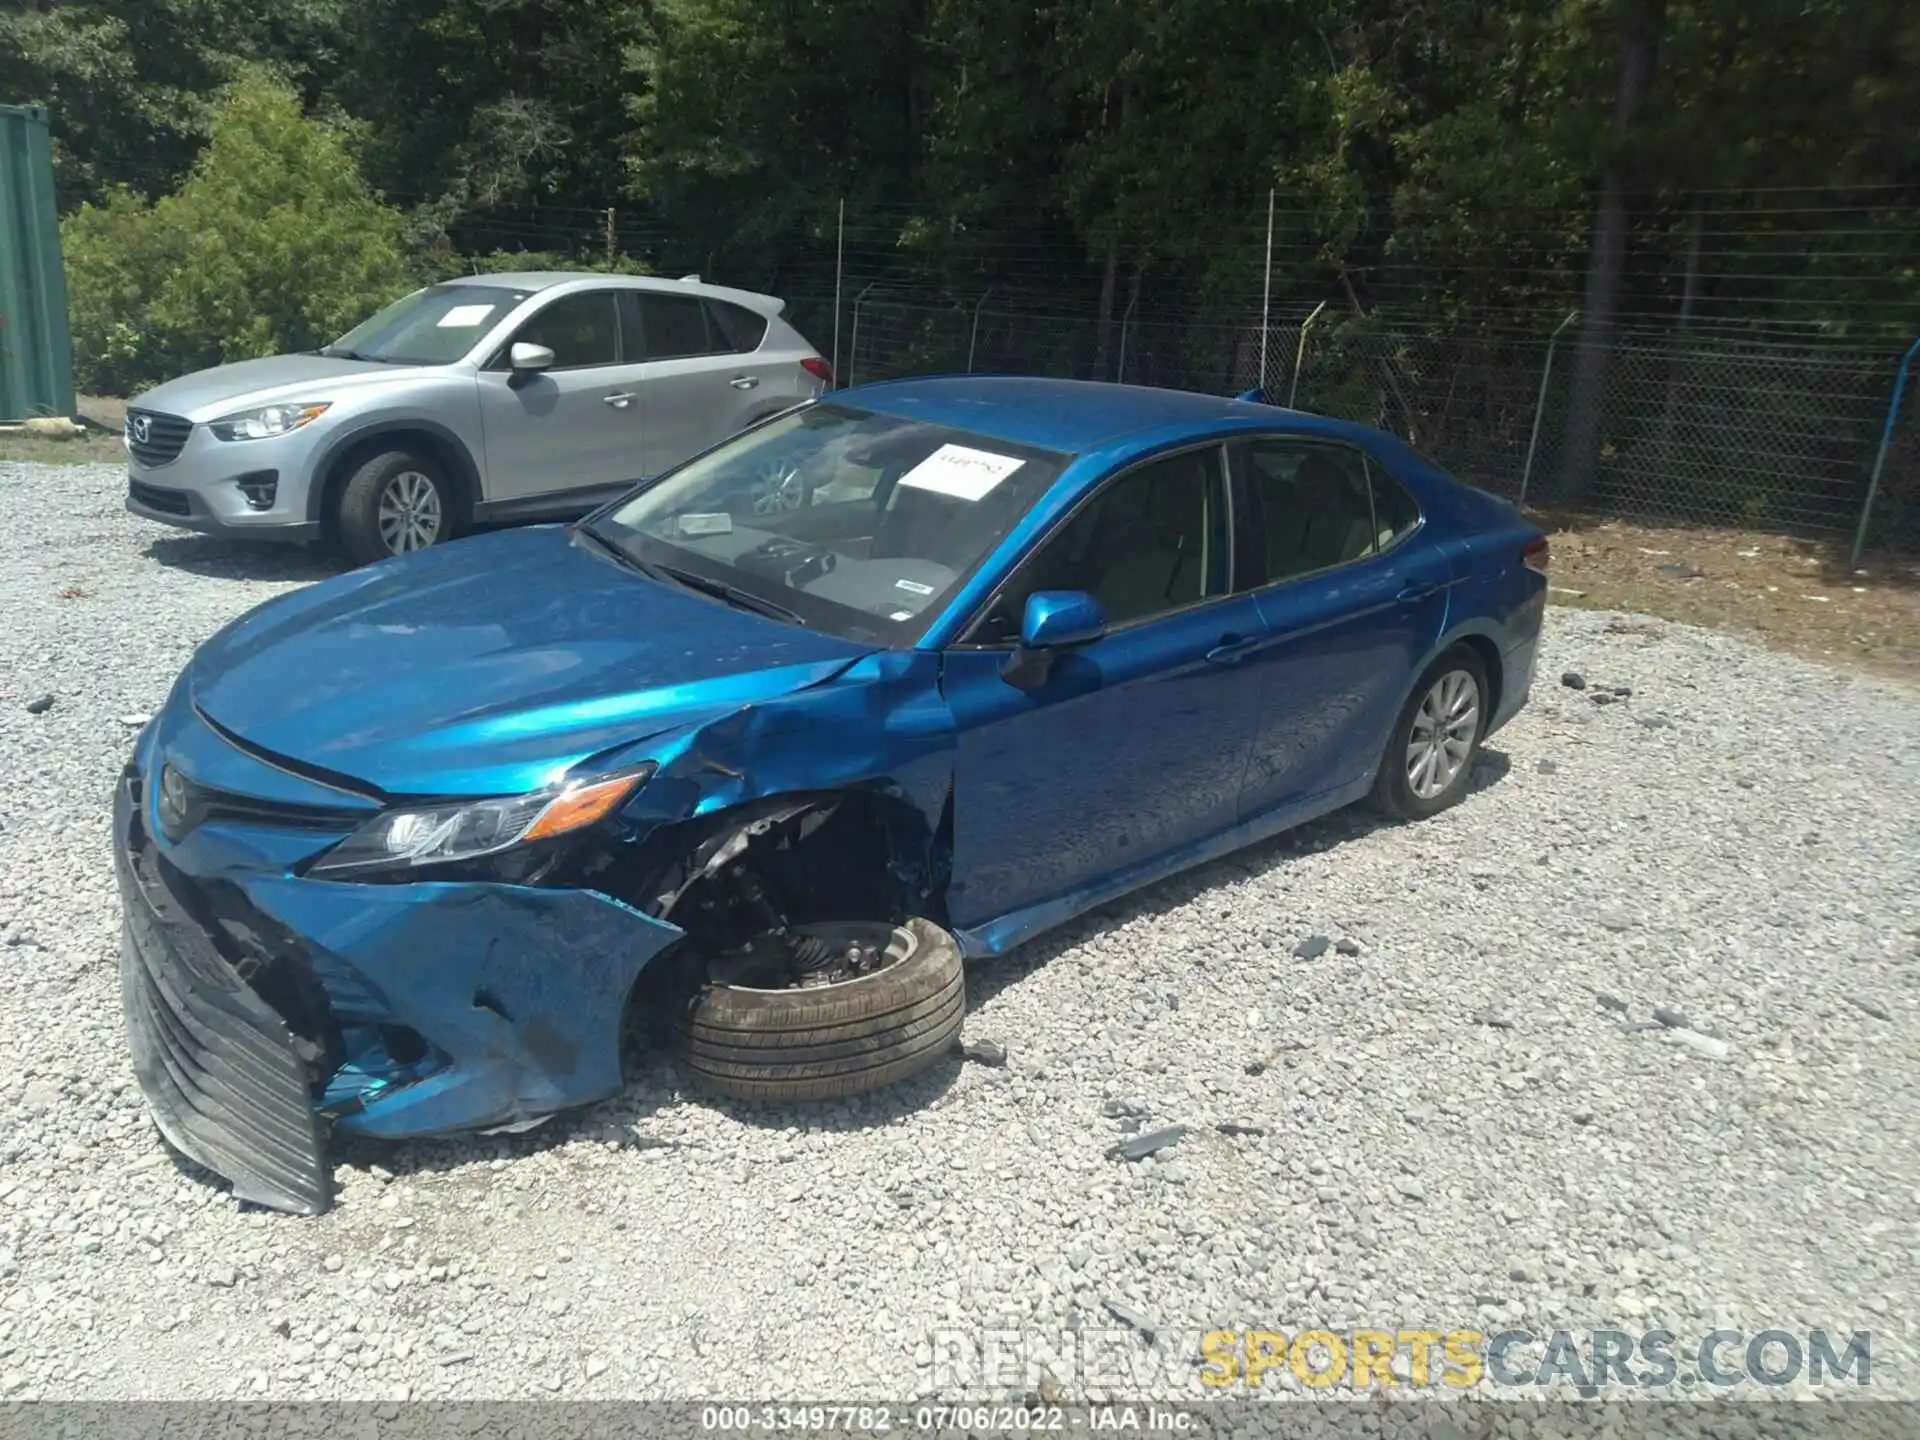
x,y
738,327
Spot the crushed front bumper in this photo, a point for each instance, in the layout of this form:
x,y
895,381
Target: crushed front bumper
x,y
220,1068
264,1008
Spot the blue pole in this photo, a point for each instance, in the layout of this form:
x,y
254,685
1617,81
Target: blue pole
x,y
1880,456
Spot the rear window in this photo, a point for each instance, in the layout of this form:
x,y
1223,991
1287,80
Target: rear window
x,y
735,326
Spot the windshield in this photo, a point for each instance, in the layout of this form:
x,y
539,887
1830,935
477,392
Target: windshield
x,y
856,523
435,326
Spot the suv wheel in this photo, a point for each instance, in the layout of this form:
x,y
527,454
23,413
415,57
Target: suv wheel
x,y
395,503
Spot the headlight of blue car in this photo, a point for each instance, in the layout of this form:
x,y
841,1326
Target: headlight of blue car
x,y
413,836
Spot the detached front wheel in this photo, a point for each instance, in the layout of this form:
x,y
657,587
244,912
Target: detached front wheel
x,y
823,1011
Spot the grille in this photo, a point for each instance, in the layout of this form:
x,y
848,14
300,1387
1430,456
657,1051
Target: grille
x,y
218,1065
155,439
172,502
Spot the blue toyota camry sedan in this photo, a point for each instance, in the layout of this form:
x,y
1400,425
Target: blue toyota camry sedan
x,y
749,761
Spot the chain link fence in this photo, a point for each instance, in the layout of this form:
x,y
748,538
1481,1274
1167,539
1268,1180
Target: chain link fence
x,y
1696,428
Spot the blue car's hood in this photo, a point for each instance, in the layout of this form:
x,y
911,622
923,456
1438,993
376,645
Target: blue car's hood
x,y
486,666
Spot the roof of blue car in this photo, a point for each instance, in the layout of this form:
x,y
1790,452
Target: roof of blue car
x,y
1073,416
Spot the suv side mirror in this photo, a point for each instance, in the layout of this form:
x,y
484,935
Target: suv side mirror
x,y
1054,620
526,359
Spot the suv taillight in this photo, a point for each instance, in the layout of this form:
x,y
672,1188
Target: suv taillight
x,y
1535,554
818,368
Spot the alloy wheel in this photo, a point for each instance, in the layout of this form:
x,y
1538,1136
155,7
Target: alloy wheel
x,y
410,513
1444,729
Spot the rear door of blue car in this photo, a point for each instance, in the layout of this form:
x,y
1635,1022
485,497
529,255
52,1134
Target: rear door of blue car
x,y
1352,593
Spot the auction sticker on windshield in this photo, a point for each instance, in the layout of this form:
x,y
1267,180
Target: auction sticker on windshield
x,y
463,317
959,471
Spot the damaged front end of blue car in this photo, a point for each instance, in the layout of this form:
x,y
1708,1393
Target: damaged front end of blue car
x,y
266,1006
304,953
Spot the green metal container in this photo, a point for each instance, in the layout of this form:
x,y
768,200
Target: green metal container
x,y
36,353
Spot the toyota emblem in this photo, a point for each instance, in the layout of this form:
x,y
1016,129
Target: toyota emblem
x,y
142,428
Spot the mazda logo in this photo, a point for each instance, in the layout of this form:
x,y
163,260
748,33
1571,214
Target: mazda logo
x,y
171,802
142,428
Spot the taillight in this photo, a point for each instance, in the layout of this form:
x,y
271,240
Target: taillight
x,y
818,368
1535,554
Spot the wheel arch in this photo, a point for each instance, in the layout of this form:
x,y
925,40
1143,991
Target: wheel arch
x,y
1476,636
338,462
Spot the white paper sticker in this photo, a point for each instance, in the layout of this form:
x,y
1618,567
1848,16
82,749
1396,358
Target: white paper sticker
x,y
717,523
961,472
913,587
464,317
901,615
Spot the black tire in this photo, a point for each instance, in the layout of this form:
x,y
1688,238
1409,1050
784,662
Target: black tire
x,y
846,1039
357,517
1393,792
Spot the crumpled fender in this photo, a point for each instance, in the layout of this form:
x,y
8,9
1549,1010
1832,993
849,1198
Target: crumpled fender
x,y
881,720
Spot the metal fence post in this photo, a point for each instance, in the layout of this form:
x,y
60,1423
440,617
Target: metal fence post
x,y
1540,404
1880,455
973,335
839,261
1126,320
1266,299
853,342
1300,353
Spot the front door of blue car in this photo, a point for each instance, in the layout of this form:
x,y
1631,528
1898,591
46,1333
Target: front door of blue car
x,y
1351,599
1135,744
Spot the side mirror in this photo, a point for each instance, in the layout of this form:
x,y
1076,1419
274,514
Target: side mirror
x,y
1054,620
526,359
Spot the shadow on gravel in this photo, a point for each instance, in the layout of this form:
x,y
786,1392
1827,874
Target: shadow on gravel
x,y
219,559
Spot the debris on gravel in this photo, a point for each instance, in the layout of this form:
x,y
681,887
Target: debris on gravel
x,y
1127,1315
990,1053
1573,680
1312,948
1636,1182
1871,1007
39,706
1152,1143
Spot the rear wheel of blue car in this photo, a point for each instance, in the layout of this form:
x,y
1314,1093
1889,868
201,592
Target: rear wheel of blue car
x,y
822,1011
1430,754
395,503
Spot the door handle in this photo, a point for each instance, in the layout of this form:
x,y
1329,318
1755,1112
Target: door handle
x,y
1416,592
744,382
619,401
1230,651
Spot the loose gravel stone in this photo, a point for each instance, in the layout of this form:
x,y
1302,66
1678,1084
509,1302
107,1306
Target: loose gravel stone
x,y
1633,1180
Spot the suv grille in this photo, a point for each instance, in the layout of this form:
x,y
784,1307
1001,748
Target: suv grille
x,y
155,439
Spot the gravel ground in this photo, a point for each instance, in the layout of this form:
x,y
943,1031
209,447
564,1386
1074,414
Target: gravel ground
x,y
1460,1125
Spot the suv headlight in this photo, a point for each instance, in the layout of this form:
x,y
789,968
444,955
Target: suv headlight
x,y
436,834
267,421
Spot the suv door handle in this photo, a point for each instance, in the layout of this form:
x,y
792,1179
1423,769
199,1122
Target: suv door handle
x,y
744,382
1416,592
1230,651
620,401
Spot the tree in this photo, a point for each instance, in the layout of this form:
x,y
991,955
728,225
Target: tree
x,y
274,243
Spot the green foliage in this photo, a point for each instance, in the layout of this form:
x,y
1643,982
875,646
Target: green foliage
x,y
274,243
